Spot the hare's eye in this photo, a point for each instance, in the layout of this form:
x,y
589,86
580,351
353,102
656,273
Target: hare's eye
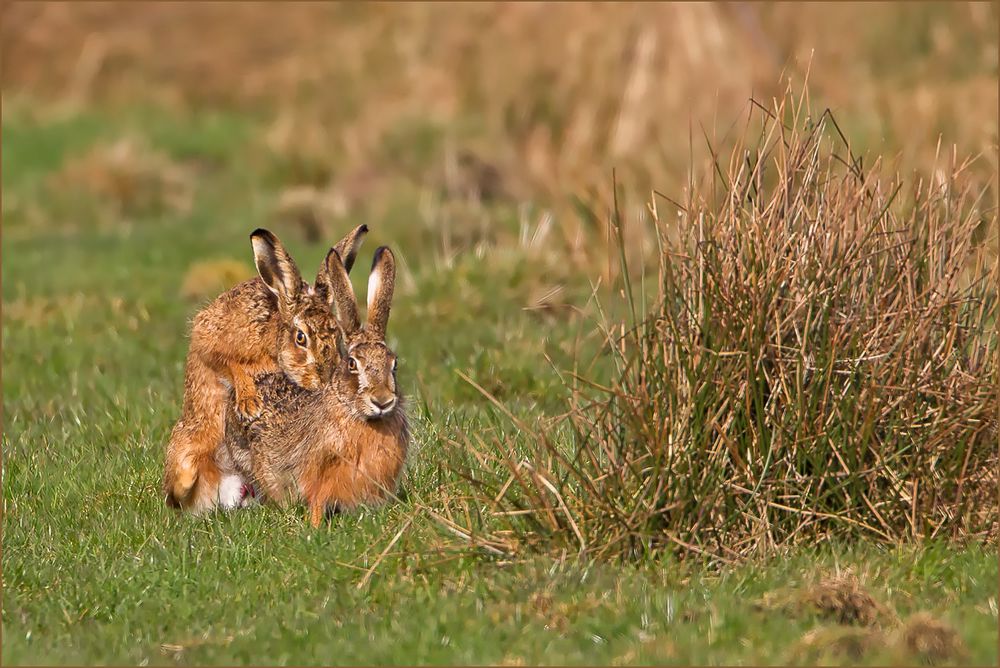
x,y
352,365
300,338
395,360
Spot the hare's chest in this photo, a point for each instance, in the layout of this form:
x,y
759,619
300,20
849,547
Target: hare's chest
x,y
376,457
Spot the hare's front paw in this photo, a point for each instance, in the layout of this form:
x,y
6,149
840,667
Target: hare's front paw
x,y
249,406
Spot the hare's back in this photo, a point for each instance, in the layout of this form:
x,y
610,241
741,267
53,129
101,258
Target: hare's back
x,y
275,440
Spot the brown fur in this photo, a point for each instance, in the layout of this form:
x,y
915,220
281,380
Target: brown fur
x,y
248,331
344,444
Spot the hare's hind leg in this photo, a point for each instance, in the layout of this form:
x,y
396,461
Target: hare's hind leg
x,y
177,478
190,480
191,477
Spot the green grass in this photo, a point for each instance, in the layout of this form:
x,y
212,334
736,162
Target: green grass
x,y
97,570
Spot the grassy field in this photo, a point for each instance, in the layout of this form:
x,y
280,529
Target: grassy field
x,y
97,569
128,202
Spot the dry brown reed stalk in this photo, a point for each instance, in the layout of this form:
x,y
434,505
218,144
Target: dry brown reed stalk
x,y
818,360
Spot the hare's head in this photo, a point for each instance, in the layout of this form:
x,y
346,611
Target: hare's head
x,y
365,378
307,331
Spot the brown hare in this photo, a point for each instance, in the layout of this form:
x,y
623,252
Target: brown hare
x,y
274,323
342,445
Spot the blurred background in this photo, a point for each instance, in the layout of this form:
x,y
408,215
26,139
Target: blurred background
x,y
344,106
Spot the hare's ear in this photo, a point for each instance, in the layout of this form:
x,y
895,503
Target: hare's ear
x,y
276,267
380,286
345,306
323,285
347,248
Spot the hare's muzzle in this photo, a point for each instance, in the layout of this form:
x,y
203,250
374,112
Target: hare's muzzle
x,y
381,406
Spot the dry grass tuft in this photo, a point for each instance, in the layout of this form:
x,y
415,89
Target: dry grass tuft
x,y
817,360
553,616
921,638
207,278
930,639
838,642
842,599
130,177
839,598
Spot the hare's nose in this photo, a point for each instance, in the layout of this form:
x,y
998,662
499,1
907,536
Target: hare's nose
x,y
384,404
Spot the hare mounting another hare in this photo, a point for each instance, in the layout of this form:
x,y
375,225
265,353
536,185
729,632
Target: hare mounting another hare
x,y
274,323
337,446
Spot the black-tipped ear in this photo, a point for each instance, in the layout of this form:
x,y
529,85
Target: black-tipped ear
x,y
349,246
275,267
381,283
345,306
